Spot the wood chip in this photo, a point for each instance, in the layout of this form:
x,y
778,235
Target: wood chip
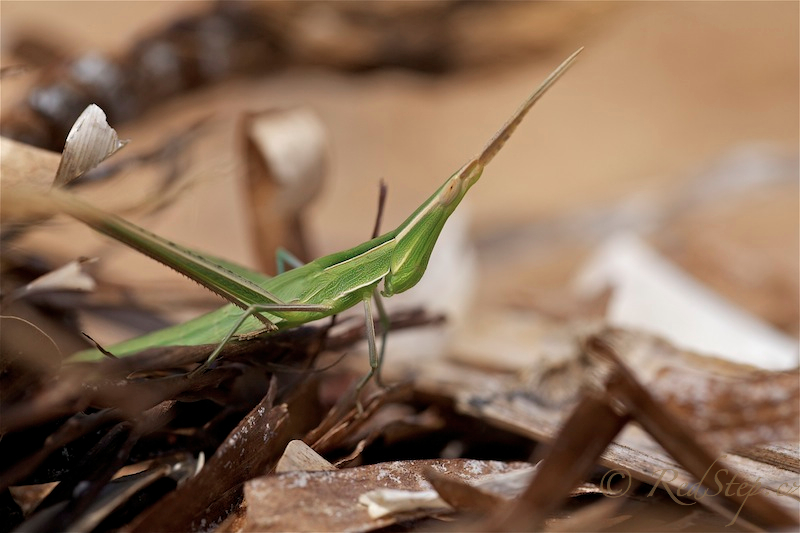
x,y
299,456
329,501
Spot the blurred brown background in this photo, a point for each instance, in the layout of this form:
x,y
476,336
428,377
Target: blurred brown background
x,y
661,91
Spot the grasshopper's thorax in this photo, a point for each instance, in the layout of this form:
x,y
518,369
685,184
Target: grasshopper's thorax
x,y
417,236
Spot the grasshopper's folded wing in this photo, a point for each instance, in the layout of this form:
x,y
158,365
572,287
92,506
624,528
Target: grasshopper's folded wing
x,y
233,282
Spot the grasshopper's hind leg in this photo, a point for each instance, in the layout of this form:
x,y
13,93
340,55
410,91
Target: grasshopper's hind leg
x,y
250,311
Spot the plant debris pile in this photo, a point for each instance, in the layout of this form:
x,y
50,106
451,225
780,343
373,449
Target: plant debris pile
x,y
539,410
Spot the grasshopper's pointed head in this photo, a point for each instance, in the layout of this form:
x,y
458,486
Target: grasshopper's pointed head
x,y
457,185
416,237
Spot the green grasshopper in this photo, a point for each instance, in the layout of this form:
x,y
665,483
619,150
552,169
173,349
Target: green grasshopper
x,y
321,288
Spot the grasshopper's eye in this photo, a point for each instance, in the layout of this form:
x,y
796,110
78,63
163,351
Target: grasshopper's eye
x,y
450,192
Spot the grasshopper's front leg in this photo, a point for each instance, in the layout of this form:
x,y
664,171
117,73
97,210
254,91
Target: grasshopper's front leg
x,y
254,309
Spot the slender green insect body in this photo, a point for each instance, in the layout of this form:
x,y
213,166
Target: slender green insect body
x,y
321,288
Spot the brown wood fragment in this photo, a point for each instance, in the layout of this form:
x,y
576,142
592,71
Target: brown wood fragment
x,y
508,402
328,501
592,426
462,496
344,421
299,456
253,447
704,464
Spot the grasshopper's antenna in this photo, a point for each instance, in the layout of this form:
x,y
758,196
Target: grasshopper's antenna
x,y
500,138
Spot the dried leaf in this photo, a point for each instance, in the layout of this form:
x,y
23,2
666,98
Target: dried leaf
x,y
90,142
616,398
251,448
538,407
30,496
285,152
123,488
69,277
385,502
23,163
653,294
592,426
29,168
704,389
292,144
299,456
704,463
463,496
328,501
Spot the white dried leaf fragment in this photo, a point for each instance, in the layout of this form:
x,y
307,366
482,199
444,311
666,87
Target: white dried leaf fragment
x,y
299,456
383,502
90,142
70,277
293,142
653,294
